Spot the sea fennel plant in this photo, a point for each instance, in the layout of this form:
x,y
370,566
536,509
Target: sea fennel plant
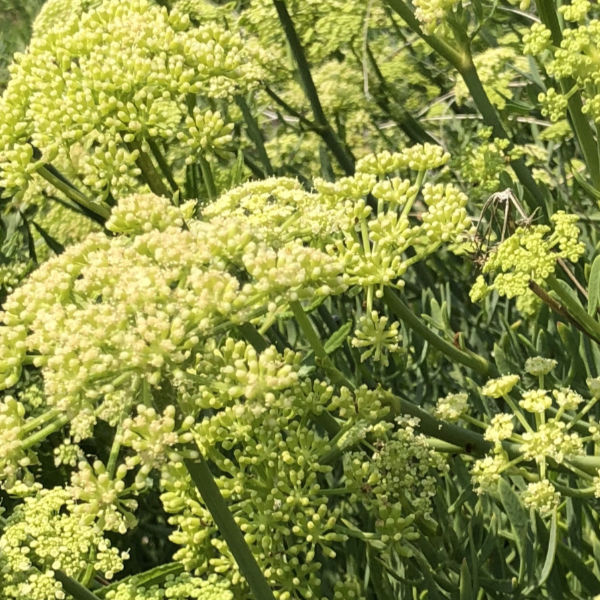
x,y
246,365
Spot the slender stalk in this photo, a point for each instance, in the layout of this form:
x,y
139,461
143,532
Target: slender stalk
x,y
74,588
590,326
255,134
40,420
151,177
315,343
558,308
207,177
327,132
114,453
162,164
207,488
569,273
464,357
43,433
97,208
292,111
411,127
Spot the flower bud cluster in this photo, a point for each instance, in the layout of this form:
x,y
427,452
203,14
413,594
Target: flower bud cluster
x,y
46,533
116,74
373,334
530,254
401,472
255,433
540,431
575,59
104,345
432,13
153,439
174,587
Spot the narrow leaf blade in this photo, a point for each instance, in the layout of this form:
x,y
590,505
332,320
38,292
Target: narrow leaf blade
x,y
594,287
337,338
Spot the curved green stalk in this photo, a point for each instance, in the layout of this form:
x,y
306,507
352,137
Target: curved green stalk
x,y
255,134
73,587
207,178
464,357
315,343
162,164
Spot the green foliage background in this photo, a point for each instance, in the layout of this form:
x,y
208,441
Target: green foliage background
x,y
15,30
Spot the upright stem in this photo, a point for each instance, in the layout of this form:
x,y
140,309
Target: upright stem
x,y
151,177
315,343
207,177
162,164
326,131
255,134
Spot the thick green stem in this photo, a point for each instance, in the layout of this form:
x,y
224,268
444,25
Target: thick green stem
x,y
74,588
149,173
97,208
405,314
207,488
326,131
468,441
453,56
255,134
253,336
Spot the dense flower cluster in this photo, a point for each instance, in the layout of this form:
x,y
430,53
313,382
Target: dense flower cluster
x,y
45,533
546,435
529,255
116,76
